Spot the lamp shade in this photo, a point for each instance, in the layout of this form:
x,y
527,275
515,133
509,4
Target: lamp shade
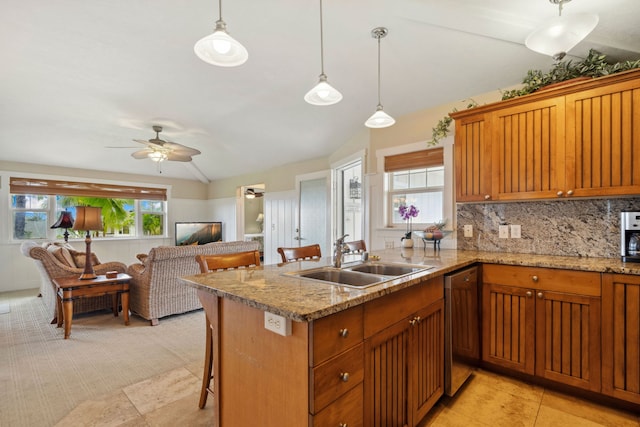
x,y
260,217
379,119
88,218
220,49
561,34
64,221
323,93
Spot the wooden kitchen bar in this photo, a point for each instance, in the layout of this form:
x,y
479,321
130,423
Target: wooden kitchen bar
x,y
374,356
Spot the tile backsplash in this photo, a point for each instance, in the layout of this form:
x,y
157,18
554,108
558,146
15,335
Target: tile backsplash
x,y
577,227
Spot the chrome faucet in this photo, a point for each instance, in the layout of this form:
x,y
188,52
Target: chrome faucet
x,y
340,249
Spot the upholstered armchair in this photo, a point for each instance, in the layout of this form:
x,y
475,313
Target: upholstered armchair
x,y
155,290
55,260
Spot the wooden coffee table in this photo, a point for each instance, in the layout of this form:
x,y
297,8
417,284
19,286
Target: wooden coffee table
x,y
70,288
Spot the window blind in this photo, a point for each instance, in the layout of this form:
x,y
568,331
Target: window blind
x,y
86,189
414,160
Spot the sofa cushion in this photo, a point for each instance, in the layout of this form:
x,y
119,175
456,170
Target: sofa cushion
x,y
63,255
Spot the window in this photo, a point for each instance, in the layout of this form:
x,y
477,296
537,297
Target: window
x,y
415,179
35,207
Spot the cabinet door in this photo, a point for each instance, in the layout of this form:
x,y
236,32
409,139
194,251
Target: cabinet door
x,y
621,336
508,327
528,150
386,377
427,360
472,159
568,339
602,140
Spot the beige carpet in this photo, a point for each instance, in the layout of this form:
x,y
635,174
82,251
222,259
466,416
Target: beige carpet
x,y
43,376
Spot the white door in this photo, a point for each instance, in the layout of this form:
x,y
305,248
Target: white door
x,y
314,219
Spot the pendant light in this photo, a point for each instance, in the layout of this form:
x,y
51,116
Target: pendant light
x,y
379,119
322,93
558,36
219,48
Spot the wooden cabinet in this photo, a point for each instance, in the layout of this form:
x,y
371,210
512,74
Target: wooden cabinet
x,y
577,141
543,322
404,355
621,336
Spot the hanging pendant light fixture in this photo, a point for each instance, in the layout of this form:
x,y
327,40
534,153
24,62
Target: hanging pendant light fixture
x,y
219,48
322,93
558,36
379,119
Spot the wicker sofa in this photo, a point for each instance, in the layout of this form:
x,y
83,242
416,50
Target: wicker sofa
x,y
55,260
155,291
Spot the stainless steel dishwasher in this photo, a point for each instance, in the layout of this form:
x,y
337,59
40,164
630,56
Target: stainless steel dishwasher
x,y
462,344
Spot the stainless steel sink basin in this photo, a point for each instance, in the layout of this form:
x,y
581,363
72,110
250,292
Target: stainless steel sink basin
x,y
388,269
342,277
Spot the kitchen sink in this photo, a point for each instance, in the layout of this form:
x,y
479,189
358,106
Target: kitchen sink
x,y
359,275
341,277
388,269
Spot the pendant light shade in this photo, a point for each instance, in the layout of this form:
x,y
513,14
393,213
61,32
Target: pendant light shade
x,y
220,48
322,93
561,34
379,119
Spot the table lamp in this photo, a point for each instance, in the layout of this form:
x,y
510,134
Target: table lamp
x,y
64,221
88,219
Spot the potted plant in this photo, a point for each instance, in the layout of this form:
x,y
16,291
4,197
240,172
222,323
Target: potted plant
x,y
407,213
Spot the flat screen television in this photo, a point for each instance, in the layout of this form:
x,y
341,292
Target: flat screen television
x,y
198,233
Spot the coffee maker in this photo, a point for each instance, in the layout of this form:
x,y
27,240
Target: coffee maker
x,y
630,236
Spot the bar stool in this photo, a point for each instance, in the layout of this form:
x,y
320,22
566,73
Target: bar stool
x,y
300,253
209,263
357,246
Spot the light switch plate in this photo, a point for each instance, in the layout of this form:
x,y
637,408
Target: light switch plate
x,y
515,231
468,230
503,231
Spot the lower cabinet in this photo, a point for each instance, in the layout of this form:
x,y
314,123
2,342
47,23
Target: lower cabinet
x,y
543,322
404,355
621,336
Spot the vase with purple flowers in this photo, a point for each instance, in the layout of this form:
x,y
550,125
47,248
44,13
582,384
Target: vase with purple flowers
x,y
407,213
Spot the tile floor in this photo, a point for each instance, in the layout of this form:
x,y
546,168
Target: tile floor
x,y
487,399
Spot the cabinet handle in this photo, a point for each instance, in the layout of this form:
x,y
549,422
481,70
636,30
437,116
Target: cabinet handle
x,y
415,321
487,196
540,295
535,279
467,278
529,294
344,376
343,425
559,193
570,193
344,333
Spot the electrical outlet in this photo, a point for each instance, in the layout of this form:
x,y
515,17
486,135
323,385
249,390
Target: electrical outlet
x,y
278,324
503,231
468,230
515,231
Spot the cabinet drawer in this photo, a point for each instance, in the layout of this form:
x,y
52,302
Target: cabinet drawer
x,y
334,377
383,312
545,279
333,334
345,411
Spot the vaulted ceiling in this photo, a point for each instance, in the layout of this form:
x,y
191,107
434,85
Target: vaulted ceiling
x,y
79,77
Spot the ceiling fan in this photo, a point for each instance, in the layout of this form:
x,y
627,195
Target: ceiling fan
x,y
159,150
252,193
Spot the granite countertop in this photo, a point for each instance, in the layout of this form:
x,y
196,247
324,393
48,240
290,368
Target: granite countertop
x,y
268,288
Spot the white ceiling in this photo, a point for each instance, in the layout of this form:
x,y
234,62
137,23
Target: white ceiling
x,y
79,76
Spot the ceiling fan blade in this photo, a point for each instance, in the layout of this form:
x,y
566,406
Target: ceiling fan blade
x,y
176,157
179,148
119,146
148,143
141,154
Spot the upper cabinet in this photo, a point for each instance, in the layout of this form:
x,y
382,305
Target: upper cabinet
x,y
573,141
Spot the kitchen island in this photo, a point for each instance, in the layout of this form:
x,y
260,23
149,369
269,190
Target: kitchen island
x,y
298,379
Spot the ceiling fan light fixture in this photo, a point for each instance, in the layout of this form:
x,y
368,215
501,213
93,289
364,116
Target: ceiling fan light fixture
x,y
561,34
158,156
322,93
379,119
219,48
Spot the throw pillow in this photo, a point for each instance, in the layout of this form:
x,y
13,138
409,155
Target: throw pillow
x,y
79,258
63,255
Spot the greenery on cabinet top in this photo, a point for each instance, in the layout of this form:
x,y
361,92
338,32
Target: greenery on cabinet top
x,y
594,65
